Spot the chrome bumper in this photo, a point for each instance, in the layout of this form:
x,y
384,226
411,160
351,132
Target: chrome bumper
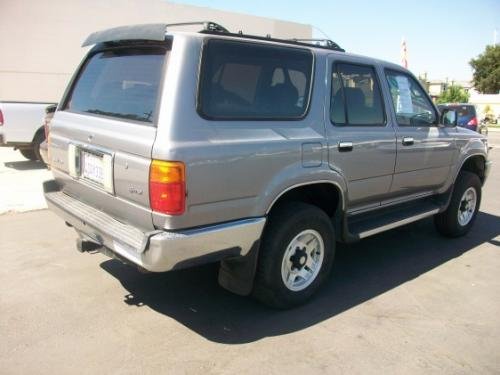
x,y
160,250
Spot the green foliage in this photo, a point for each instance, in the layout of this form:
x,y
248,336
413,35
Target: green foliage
x,y
453,94
486,76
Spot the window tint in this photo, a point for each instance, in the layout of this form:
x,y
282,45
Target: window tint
x,y
411,104
119,83
250,81
355,98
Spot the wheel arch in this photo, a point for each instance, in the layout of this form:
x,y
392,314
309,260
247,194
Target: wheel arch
x,y
313,192
475,163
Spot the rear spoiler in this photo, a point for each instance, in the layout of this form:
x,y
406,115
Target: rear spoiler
x,y
148,31
153,31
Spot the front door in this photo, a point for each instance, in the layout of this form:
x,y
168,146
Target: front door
x,y
361,141
425,150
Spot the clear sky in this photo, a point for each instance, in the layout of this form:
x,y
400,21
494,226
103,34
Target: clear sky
x,y
441,36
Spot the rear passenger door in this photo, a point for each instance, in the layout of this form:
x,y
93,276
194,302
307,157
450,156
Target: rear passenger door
x,y
361,142
425,149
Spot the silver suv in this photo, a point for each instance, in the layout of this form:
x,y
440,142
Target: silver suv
x,y
171,149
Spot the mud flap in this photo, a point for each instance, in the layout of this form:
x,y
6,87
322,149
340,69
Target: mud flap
x,y
237,274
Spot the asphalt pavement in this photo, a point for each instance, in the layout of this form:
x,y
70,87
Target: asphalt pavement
x,y
405,301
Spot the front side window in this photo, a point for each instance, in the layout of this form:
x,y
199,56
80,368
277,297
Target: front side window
x,y
411,104
120,83
355,97
248,81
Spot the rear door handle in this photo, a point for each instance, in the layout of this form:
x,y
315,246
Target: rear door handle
x,y
408,141
345,146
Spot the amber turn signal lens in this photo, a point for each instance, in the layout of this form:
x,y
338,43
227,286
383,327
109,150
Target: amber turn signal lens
x,y
167,187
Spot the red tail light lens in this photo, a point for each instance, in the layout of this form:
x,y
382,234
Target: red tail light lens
x,y
473,121
167,187
1,118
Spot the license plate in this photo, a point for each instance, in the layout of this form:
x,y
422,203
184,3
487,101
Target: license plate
x,y
93,168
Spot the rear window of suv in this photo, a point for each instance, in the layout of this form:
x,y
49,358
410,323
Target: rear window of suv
x,y
121,83
250,81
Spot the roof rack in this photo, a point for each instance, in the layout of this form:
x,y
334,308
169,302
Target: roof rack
x,y
318,43
157,32
207,26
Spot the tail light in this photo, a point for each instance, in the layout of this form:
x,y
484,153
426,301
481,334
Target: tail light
x,y
473,121
167,187
1,118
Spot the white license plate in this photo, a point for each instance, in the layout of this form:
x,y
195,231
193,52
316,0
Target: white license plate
x,y
93,168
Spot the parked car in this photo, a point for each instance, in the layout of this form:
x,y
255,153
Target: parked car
x,y
172,149
467,116
21,127
44,152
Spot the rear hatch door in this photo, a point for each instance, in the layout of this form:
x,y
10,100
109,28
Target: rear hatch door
x,y
102,135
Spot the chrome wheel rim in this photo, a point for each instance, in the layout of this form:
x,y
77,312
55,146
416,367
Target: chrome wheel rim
x,y
302,260
467,206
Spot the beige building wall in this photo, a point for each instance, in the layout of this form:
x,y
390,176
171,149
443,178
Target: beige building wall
x,y
40,40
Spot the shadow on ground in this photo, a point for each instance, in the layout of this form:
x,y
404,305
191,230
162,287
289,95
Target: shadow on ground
x,y
25,165
362,271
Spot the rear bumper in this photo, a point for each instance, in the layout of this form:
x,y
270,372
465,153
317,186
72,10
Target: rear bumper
x,y
156,251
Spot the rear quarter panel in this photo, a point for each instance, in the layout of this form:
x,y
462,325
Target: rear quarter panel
x,y
234,169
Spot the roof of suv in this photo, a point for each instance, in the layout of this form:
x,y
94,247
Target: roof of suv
x,y
157,32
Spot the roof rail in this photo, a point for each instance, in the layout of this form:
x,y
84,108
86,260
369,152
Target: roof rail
x,y
327,43
321,43
207,26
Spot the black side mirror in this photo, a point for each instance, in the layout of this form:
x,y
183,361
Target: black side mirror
x,y
449,117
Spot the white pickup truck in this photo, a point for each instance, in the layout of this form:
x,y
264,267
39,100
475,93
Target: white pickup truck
x,y
21,127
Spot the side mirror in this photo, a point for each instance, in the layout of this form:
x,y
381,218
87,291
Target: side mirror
x,y
449,117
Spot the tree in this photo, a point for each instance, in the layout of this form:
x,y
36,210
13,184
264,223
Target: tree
x,y
454,94
486,76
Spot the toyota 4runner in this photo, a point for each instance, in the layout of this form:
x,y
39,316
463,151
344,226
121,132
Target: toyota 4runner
x,y
172,148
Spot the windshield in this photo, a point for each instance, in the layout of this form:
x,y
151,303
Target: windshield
x,y
121,83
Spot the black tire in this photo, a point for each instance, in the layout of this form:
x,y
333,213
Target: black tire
x,y
28,153
447,222
284,224
37,141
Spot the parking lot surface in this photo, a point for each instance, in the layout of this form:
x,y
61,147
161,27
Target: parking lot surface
x,y
405,301
20,182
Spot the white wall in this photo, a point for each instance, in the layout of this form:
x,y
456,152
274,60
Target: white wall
x,y
40,40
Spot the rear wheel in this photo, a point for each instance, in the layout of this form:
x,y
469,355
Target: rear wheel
x,y
37,141
28,153
460,215
296,255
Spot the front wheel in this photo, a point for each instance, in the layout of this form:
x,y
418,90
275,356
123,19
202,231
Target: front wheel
x,y
461,213
296,255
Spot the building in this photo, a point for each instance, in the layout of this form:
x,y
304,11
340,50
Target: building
x,y
40,41
486,104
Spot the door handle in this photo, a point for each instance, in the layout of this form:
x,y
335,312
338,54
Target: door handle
x,y
408,141
345,146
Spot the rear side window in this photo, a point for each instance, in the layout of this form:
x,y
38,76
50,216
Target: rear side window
x,y
120,83
248,81
355,97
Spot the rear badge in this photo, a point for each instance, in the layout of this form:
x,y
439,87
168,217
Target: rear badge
x,y
133,190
